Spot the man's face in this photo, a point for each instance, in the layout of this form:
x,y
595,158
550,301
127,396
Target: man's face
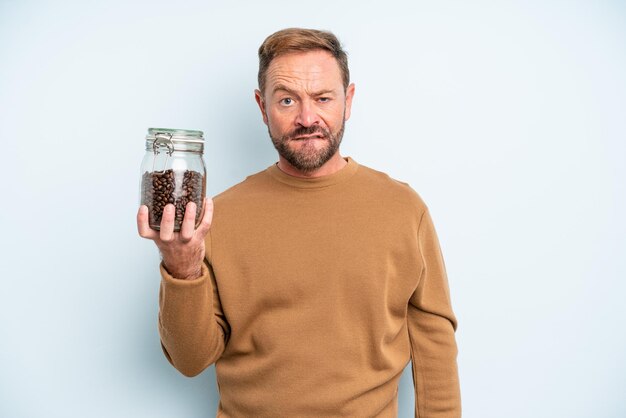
x,y
305,107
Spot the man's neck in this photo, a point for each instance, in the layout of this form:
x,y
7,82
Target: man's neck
x,y
336,163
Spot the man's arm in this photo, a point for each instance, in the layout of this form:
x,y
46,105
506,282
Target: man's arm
x,y
192,325
432,324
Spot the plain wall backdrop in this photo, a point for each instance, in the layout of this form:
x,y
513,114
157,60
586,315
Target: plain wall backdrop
x,y
507,117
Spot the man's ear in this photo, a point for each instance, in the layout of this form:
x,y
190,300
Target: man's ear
x,y
259,99
349,96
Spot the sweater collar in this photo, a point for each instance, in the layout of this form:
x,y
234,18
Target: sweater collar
x,y
318,182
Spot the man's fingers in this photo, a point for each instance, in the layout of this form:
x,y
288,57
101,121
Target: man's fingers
x,y
189,223
166,233
143,225
207,218
167,223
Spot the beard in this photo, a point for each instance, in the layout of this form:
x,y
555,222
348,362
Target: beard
x,y
307,158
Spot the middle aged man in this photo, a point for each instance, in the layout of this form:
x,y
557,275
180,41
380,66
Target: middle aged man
x,y
314,282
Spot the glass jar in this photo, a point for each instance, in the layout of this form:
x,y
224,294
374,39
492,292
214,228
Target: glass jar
x,y
173,172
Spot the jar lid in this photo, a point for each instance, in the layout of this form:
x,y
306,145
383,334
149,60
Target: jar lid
x,y
176,132
177,139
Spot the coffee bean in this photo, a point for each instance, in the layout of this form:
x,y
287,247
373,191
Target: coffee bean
x,y
159,189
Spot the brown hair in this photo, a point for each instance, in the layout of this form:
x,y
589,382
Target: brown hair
x,y
301,40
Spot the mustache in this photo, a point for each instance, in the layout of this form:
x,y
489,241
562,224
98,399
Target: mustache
x,y
310,130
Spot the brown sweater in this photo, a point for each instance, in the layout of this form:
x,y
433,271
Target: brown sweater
x,y
315,295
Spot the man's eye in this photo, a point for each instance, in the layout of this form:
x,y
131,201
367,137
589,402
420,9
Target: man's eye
x,y
324,99
286,101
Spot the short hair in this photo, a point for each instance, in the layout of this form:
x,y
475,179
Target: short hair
x,y
301,40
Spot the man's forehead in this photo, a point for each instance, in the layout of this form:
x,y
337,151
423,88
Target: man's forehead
x,y
308,67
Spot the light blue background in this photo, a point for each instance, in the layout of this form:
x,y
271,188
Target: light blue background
x,y
508,117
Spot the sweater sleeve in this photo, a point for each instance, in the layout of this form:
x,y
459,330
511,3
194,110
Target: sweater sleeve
x,y
192,325
431,324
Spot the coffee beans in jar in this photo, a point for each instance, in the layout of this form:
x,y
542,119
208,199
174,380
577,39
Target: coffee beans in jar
x,y
173,172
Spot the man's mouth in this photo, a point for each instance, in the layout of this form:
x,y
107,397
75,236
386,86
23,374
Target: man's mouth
x,y
301,138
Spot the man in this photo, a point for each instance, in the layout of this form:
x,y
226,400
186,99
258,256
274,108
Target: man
x,y
311,284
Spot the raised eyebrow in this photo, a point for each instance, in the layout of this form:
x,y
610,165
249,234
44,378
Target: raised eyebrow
x,y
281,87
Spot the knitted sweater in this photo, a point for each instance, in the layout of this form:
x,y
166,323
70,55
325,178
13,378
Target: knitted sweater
x,y
314,296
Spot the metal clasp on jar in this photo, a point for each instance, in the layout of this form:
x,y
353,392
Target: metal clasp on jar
x,y
162,140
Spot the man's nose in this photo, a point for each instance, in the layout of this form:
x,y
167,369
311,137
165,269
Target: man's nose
x,y
307,115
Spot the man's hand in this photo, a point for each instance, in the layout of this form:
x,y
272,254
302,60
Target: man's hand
x,y
182,251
